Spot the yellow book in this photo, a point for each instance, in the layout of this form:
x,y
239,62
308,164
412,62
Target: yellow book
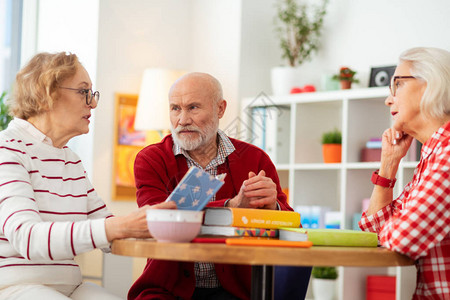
x,y
250,217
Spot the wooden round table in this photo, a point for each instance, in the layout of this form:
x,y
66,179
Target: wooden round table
x,y
261,258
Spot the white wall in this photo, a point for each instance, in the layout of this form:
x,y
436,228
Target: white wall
x,y
68,26
259,50
216,42
365,33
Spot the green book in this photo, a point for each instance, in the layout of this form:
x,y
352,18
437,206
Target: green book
x,y
330,237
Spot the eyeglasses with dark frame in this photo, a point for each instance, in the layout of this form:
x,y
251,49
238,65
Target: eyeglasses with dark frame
x,y
88,93
393,86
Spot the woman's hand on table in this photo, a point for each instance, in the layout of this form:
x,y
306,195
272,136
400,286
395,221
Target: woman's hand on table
x,y
133,225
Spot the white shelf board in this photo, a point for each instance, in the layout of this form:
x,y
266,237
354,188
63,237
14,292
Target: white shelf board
x,y
409,164
326,96
317,166
376,165
363,165
282,167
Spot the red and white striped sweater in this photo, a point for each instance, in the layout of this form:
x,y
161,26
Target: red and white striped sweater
x,y
49,211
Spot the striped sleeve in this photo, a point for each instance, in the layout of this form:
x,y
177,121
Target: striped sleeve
x,y
22,225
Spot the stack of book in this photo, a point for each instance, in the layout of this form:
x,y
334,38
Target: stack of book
x,y
226,221
246,222
372,151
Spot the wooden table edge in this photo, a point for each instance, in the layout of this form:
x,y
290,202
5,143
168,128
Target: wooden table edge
x,y
250,255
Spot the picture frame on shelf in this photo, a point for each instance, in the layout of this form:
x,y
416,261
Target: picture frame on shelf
x,y
127,144
381,76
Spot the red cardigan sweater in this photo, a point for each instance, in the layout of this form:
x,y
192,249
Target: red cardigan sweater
x,y
157,172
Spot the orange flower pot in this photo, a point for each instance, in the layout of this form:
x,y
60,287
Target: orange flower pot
x,y
331,153
346,84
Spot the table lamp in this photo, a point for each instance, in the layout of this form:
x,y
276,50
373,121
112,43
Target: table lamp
x,y
152,111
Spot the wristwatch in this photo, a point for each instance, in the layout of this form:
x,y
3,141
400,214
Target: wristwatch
x,y
382,181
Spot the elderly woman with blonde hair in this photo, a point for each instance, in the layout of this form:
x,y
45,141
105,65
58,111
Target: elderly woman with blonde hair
x,y
417,223
49,210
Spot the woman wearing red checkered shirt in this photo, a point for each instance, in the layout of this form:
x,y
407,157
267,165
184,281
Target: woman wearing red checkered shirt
x,y
417,223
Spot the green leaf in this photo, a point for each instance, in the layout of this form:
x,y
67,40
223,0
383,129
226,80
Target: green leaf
x,y
324,272
298,29
5,118
332,137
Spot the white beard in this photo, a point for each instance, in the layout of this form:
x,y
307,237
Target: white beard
x,y
206,136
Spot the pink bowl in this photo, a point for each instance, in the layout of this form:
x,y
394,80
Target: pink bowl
x,y
173,225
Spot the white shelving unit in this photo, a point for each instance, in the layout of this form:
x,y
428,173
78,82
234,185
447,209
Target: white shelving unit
x,y
300,120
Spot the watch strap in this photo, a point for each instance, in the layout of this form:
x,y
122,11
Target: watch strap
x,y
382,181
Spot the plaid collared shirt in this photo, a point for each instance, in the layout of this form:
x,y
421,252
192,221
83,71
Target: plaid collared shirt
x,y
418,222
205,274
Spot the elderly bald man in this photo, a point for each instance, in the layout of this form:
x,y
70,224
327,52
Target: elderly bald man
x,y
196,105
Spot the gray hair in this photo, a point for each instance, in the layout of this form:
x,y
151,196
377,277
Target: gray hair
x,y
433,66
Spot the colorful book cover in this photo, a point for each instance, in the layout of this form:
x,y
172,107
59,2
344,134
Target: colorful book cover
x,y
250,217
238,231
195,189
332,237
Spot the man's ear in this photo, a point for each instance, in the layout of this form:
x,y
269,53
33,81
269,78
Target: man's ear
x,y
222,108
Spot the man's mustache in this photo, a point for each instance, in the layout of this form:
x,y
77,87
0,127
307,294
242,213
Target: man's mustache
x,y
188,128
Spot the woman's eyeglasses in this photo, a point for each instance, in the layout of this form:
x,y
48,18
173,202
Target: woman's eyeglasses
x,y
393,85
88,93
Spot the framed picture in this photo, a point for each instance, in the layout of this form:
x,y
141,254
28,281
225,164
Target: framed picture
x,y
381,76
127,144
126,133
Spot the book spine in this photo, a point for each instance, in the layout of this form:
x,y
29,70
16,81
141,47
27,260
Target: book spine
x,y
256,232
264,218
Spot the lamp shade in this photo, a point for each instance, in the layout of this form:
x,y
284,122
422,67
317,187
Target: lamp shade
x,y
152,111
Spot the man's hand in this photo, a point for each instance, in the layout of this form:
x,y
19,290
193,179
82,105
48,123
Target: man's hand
x,y
258,191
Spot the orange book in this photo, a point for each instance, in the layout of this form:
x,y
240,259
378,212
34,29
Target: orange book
x,y
250,217
267,242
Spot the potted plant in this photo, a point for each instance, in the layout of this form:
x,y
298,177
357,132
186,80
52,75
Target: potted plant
x,y
298,27
324,282
346,76
5,118
332,146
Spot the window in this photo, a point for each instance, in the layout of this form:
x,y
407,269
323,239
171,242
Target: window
x,y
10,40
